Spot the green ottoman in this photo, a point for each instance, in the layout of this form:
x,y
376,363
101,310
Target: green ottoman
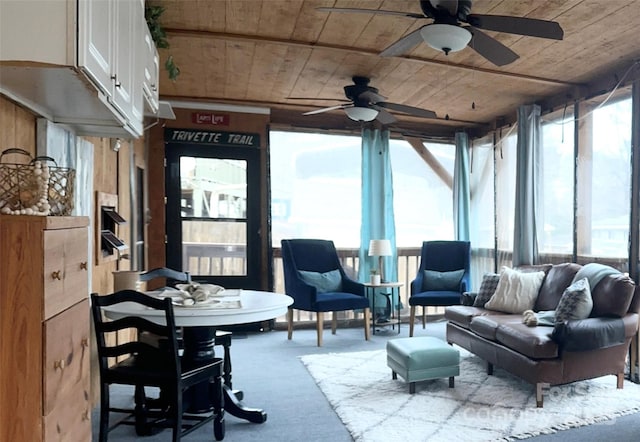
x,y
422,358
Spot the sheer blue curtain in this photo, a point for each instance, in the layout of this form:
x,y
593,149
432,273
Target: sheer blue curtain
x,y
528,176
377,205
461,199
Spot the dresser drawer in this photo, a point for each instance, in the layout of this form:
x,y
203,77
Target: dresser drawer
x,y
66,401
65,269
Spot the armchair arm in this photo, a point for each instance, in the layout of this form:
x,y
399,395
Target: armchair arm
x,y
303,294
416,284
351,286
589,334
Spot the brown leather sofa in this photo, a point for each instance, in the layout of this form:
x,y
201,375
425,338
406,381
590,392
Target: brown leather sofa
x,y
570,351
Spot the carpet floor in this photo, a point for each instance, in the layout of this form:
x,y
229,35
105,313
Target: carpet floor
x,y
267,367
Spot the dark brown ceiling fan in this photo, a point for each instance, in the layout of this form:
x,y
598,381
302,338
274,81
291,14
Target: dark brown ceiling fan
x,y
364,103
448,34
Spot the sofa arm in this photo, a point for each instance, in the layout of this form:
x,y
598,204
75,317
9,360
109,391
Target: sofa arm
x,y
589,334
468,298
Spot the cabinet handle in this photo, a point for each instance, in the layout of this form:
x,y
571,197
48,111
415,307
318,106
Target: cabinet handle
x,y
83,265
118,84
56,275
59,364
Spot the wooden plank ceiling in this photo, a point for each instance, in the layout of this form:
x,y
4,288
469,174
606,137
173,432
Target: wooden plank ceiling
x,y
271,53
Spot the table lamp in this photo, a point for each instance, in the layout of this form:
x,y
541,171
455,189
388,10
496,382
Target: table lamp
x,y
380,248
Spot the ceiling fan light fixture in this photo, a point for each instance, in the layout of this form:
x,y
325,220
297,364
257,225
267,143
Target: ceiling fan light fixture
x,y
358,113
447,38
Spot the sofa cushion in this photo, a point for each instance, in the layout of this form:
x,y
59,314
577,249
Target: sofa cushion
x,y
323,282
557,280
576,302
433,281
533,342
462,314
612,296
516,291
487,289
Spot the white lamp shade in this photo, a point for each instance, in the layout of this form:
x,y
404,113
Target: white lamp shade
x,y
358,113
447,38
379,247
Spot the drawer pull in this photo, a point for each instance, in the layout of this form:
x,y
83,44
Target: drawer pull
x,y
85,415
83,265
84,342
59,364
56,275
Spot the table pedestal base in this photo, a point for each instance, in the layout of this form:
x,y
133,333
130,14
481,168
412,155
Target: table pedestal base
x,y
199,346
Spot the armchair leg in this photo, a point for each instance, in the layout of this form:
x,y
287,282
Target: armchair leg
x,y
367,321
319,323
334,322
424,316
289,323
412,318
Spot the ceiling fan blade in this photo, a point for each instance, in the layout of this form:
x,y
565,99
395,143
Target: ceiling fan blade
x,y
325,109
404,45
449,5
517,25
372,97
318,99
372,11
384,117
416,111
490,48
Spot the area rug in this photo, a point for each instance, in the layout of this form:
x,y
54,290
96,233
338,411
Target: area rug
x,y
480,407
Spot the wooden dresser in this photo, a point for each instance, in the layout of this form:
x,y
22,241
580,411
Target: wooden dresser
x,y
44,329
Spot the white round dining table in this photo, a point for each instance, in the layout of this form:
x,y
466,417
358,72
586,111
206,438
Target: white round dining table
x,y
255,306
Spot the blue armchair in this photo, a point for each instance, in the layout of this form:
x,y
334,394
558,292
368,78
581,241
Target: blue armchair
x,y
444,274
315,279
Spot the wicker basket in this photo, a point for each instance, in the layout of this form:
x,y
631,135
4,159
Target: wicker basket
x,y
35,187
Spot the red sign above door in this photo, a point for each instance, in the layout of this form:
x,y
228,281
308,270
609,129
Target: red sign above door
x,y
210,118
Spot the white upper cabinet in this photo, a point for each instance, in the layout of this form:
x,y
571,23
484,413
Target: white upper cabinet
x,y
76,62
150,85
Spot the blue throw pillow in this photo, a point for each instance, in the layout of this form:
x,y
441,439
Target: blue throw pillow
x,y
323,282
442,281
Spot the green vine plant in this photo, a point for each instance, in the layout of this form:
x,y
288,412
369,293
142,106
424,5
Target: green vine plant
x,y
152,15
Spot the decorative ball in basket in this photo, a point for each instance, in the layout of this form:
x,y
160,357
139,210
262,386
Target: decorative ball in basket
x,y
36,187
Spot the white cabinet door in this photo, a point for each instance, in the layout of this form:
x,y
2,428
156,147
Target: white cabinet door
x,y
123,65
95,41
150,85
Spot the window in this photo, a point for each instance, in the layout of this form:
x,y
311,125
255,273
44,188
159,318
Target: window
x,y
423,202
610,180
315,187
505,195
555,223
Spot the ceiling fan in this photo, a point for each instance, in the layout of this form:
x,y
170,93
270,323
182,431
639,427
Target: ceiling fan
x,y
364,103
448,34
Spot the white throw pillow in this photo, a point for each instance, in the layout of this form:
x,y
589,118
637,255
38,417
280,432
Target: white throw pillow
x,y
516,291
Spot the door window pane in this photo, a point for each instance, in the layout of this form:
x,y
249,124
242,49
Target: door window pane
x,y
214,209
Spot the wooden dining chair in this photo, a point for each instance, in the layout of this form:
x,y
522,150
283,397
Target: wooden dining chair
x,y
223,338
142,365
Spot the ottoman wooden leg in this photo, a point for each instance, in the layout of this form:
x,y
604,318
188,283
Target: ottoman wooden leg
x,y
394,375
451,381
412,387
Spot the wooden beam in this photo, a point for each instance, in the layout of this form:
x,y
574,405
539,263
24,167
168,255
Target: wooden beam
x,y
310,45
431,160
